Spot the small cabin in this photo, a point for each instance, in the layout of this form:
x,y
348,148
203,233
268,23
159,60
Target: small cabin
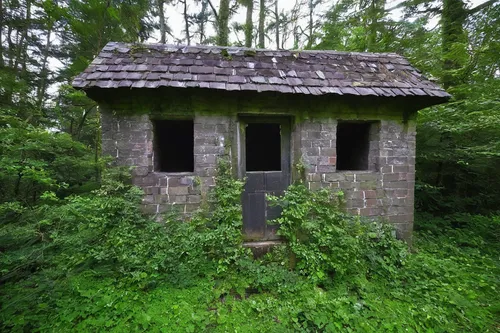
x,y
342,120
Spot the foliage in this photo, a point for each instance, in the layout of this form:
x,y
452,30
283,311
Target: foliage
x,y
325,242
458,153
76,253
93,261
102,236
224,239
34,160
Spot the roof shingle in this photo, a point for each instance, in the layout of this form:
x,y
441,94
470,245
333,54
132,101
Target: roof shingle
x,y
238,68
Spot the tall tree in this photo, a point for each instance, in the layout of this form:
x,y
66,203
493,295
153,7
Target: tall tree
x,y
291,22
248,22
187,21
53,14
262,19
454,16
313,23
374,14
201,19
223,23
163,25
26,29
277,24
363,25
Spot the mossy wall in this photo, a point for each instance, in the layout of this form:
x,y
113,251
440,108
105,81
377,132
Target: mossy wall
x,y
386,189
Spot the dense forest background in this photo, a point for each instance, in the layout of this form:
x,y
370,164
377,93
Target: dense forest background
x,y
57,196
44,44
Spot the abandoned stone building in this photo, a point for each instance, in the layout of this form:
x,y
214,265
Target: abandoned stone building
x,y
336,119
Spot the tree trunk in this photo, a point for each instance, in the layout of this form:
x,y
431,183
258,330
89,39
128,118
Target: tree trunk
x,y
223,24
452,22
163,27
1,34
186,23
311,25
42,87
277,26
21,54
372,30
11,47
7,98
22,60
262,18
375,13
202,20
296,37
249,24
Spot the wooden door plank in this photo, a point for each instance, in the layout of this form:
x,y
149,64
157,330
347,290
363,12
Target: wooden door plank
x,y
254,217
255,182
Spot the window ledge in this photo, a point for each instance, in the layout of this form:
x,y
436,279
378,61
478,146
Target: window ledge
x,y
356,171
174,174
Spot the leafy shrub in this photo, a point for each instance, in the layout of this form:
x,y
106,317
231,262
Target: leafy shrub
x,y
324,241
103,237
34,160
93,262
220,231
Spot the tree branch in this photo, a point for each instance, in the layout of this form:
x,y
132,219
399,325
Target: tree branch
x,y
399,5
481,7
213,10
434,10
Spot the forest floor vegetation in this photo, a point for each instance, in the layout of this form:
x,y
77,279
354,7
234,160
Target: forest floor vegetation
x,y
93,262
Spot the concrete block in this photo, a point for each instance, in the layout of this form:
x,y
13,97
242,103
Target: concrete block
x,y
183,190
326,168
321,143
314,177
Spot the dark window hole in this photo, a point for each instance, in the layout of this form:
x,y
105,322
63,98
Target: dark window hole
x,y
263,147
174,142
353,146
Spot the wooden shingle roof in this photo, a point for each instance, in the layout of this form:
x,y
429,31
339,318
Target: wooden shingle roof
x,y
121,65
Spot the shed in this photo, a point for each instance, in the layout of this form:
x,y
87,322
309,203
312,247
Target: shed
x,y
335,119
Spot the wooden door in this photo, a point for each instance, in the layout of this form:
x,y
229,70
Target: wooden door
x,y
265,164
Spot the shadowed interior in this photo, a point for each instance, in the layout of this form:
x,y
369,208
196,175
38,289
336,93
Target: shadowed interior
x,y
263,147
174,143
353,145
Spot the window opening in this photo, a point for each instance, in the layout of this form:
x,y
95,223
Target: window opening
x,y
174,143
353,146
263,147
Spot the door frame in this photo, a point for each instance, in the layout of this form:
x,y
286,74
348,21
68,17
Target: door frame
x,y
285,123
285,132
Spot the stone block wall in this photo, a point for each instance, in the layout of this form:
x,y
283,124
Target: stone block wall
x,y
386,189
130,139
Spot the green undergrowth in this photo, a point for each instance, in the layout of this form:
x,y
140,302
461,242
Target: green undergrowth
x,y
93,262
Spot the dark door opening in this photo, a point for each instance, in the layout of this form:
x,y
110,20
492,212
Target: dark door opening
x,y
266,166
263,147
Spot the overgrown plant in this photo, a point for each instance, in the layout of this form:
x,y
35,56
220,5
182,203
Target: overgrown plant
x,y
34,160
222,238
93,262
325,242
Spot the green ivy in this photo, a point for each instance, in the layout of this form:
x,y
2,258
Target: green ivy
x,y
94,262
325,242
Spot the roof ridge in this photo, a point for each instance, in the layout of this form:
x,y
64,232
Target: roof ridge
x,y
244,48
316,72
